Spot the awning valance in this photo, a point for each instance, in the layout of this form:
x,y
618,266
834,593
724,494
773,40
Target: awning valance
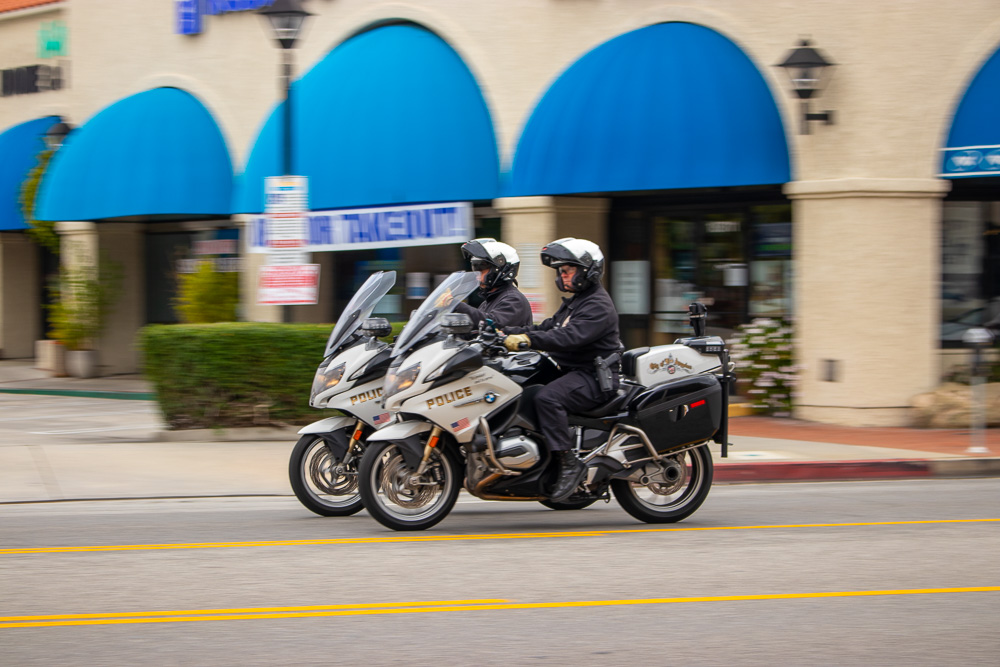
x,y
158,152
672,105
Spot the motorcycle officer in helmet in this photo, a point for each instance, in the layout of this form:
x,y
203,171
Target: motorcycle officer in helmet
x,y
582,337
497,264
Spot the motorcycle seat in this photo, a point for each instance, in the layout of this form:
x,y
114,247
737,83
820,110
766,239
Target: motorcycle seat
x,y
629,358
615,405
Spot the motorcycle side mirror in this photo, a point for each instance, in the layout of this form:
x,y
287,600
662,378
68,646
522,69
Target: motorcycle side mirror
x,y
376,327
698,314
456,323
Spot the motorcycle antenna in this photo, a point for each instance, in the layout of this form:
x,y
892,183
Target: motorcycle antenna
x,y
698,313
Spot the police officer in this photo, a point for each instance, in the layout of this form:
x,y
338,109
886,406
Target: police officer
x,y
497,264
584,330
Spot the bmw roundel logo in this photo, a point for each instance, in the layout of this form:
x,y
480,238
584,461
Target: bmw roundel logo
x,y
490,397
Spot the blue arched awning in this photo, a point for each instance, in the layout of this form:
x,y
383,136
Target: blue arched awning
x,y
973,145
392,115
158,152
672,105
19,148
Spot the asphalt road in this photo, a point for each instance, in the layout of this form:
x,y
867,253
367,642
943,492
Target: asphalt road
x,y
902,572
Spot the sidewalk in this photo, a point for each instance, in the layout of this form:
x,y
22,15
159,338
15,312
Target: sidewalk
x,y
254,461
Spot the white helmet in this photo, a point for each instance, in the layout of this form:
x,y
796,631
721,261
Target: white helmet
x,y
500,258
578,252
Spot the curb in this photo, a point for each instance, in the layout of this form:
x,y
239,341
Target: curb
x,y
250,434
82,393
807,471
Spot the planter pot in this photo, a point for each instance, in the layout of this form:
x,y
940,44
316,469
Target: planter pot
x,y
82,363
50,355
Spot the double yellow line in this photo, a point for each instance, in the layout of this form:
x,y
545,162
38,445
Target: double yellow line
x,y
397,539
257,613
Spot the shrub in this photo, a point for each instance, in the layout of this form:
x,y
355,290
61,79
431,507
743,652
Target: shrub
x,y
765,369
207,295
235,373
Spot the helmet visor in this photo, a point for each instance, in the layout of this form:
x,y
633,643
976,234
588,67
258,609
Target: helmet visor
x,y
480,264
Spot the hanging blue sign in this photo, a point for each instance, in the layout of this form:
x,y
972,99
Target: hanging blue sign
x,y
971,161
366,228
190,12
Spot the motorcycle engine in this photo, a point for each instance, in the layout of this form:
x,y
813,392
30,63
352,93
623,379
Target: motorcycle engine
x,y
517,452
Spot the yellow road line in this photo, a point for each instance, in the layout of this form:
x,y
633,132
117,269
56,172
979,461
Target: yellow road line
x,y
404,608
252,610
396,539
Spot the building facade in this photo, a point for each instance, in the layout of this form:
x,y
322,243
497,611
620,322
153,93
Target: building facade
x,y
661,130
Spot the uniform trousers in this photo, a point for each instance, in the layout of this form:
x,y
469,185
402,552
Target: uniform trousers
x,y
576,391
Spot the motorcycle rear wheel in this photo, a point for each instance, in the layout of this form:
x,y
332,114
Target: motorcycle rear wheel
x,y
391,497
673,501
319,486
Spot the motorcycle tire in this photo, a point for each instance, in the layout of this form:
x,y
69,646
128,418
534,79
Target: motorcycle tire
x,y
669,502
393,501
569,504
309,471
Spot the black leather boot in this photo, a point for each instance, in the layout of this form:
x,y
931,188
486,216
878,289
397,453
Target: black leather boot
x,y
571,473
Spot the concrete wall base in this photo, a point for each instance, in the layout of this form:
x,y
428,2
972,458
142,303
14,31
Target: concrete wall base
x,y
854,416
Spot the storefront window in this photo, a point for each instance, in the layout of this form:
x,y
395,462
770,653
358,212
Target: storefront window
x,y
771,268
674,271
970,279
736,259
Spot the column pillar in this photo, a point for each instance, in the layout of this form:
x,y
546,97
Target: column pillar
x,y
531,222
20,302
121,242
866,296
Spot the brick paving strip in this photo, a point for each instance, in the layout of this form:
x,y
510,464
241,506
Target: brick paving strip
x,y
949,442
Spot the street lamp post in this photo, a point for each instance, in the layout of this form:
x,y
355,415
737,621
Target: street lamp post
x,y
285,19
978,338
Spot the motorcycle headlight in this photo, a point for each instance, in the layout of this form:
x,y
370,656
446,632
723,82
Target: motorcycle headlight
x,y
326,378
397,381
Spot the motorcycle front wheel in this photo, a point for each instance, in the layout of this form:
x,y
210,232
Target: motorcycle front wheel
x,y
674,493
323,484
396,498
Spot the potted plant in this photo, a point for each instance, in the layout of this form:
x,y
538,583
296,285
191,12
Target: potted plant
x,y
84,297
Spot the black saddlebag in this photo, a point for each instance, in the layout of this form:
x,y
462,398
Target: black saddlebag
x,y
679,413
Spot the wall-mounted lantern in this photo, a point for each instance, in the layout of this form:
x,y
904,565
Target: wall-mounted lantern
x,y
57,134
809,72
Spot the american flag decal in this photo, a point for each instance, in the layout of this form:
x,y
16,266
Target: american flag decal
x,y
381,419
460,425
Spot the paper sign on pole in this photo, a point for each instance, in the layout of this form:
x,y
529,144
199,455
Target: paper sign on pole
x,y
288,285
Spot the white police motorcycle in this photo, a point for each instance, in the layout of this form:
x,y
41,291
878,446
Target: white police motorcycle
x,y
323,465
465,416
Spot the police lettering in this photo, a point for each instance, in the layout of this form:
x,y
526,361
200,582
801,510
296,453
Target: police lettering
x,y
369,395
451,396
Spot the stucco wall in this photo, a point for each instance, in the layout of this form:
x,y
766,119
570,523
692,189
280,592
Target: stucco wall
x,y
901,66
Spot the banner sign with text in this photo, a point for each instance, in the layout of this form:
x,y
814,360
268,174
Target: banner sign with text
x,y
367,228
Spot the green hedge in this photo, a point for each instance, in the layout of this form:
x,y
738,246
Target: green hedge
x,y
234,374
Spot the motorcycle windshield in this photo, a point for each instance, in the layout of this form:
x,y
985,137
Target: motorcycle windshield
x,y
359,308
426,319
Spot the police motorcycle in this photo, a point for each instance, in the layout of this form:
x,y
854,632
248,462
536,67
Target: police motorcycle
x,y
466,416
323,465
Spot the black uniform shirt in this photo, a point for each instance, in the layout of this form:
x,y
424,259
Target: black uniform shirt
x,y
585,327
505,305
